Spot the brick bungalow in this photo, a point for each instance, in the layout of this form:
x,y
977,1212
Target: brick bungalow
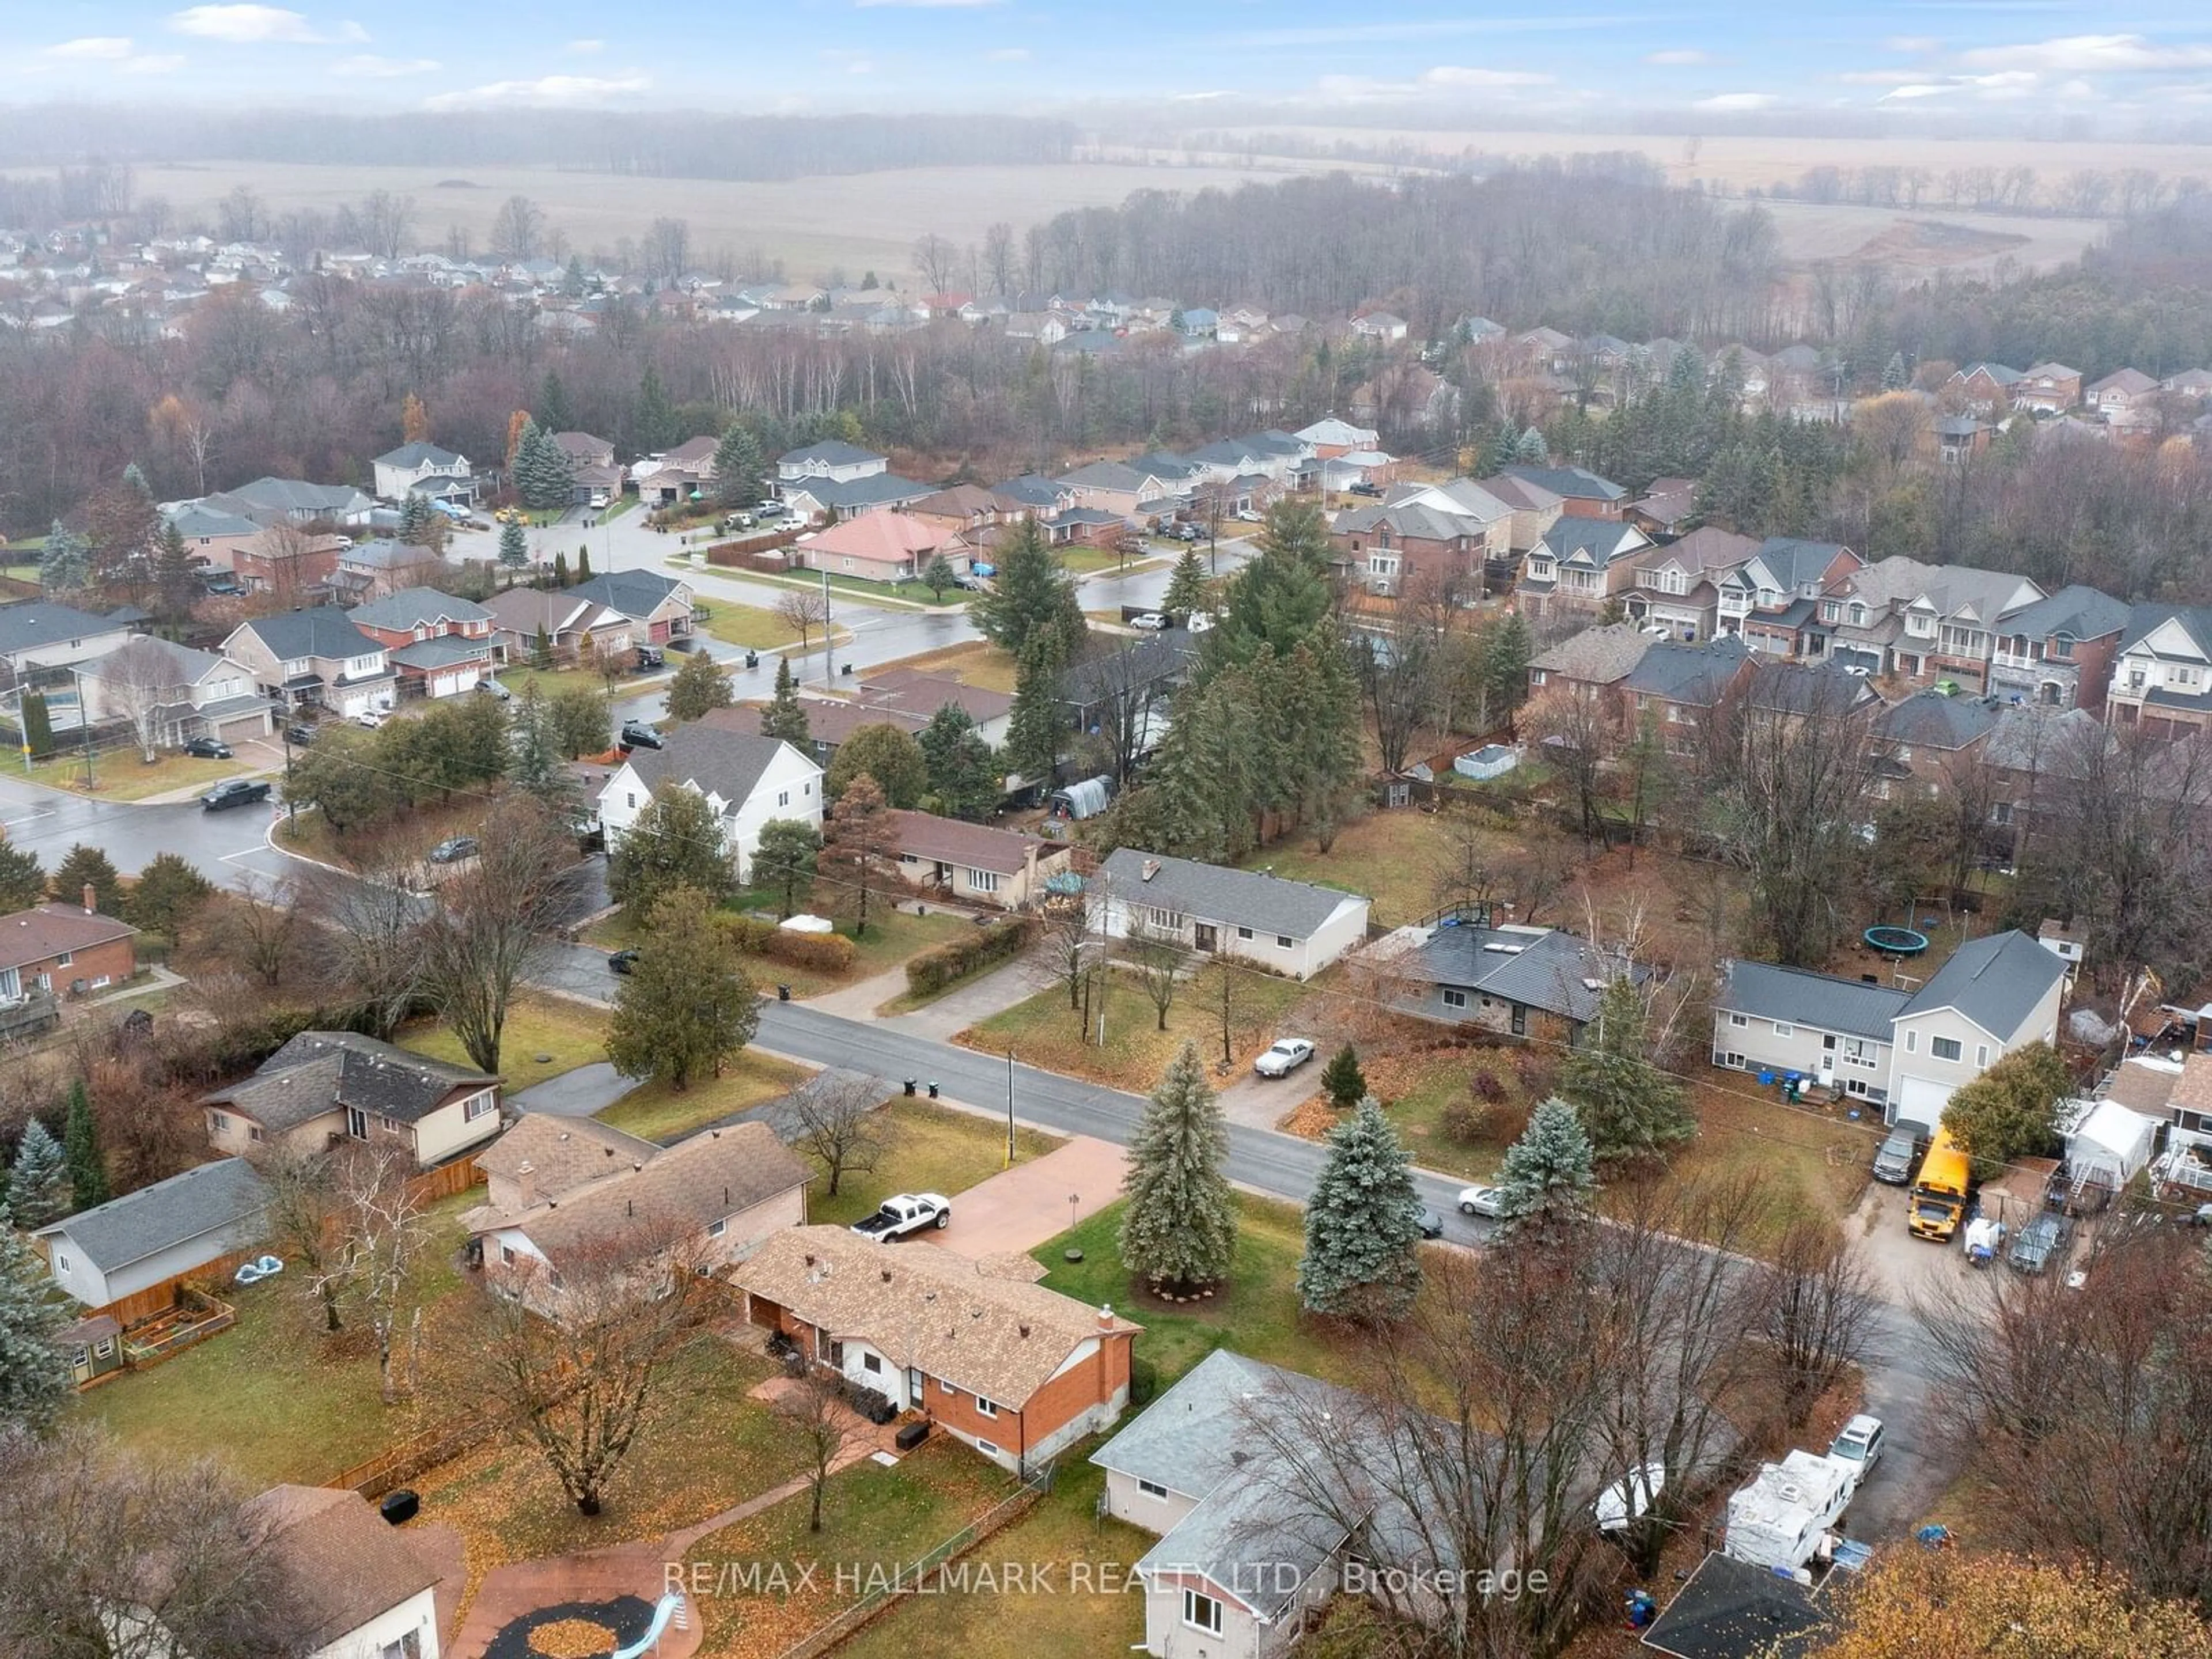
x,y
62,948
989,1355
973,862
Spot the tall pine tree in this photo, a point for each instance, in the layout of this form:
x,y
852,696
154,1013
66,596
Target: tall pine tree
x,y
39,1180
1180,1227
87,1172
963,775
1036,727
1032,600
1185,594
785,716
738,467
1548,1176
513,546
34,1382
1628,1106
1363,1222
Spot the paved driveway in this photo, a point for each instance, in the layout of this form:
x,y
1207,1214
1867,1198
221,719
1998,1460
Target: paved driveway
x,y
1019,1209
581,1093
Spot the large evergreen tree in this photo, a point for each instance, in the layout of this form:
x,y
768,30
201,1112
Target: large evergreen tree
x,y
890,755
785,716
553,413
87,1170
1180,1226
536,767
23,881
785,861
176,576
686,1005
167,895
1185,593
39,1179
701,686
963,773
86,866
738,467
676,841
1548,1176
653,417
1282,598
1031,601
1363,1221
65,560
1036,727
34,1379
1629,1107
513,546
542,476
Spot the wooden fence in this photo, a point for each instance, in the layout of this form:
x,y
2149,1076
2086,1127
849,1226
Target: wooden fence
x,y
446,1180
142,1305
398,1464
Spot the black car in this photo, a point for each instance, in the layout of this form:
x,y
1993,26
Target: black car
x,y
299,734
454,849
1431,1224
234,792
637,734
208,748
649,656
1363,487
621,961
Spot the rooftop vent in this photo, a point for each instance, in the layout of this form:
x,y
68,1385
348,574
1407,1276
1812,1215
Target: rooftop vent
x,y
1151,869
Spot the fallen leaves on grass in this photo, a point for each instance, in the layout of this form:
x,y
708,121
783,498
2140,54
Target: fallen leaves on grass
x,y
1312,1120
573,1639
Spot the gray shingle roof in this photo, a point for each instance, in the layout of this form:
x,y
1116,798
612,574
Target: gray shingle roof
x,y
1596,656
728,763
1555,972
325,631
1732,1609
416,607
419,454
1793,561
1935,721
141,1223
1411,520
318,1071
1826,1002
1694,675
442,651
2143,619
1209,892
28,626
831,451
1572,483
633,594
877,489
1995,982
297,496
1601,540
2079,612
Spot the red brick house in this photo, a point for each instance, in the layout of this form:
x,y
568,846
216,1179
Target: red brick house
x,y
989,1355
63,948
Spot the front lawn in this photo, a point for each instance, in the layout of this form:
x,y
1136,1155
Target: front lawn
x,y
123,773
978,663
1256,1312
892,937
276,1398
1043,1029
705,1448
749,626
544,1037
926,1148
877,1519
657,1112
1072,1598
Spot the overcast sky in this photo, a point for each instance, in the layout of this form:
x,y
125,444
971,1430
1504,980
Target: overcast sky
x,y
2027,59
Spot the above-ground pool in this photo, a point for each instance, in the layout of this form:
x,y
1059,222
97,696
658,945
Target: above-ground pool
x,y
1896,941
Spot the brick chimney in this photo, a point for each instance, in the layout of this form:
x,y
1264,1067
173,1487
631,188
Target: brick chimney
x,y
1106,1317
91,901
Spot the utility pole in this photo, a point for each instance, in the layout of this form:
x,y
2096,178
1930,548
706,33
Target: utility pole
x,y
828,638
1009,1106
83,725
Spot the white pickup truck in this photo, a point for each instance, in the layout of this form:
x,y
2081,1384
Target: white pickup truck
x,y
904,1213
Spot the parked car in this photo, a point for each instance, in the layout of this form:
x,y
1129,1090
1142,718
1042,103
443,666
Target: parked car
x,y
492,688
371,718
1284,1056
1151,620
1859,1444
1894,1163
1431,1224
234,792
649,656
1363,488
1246,516
296,733
2040,1242
621,961
637,734
1488,1201
453,849
208,748
904,1213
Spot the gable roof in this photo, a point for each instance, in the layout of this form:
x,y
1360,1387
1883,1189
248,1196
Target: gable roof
x,y
1598,540
713,757
408,457
525,611
1410,520
414,607
563,1153
2079,612
45,931
1694,675
1246,898
634,593
1572,483
343,1564
1995,982
918,691
1935,721
929,1308
1798,996
876,489
2144,620
970,846
321,1072
385,553
274,494
1596,656
1998,372
1704,550
879,538
138,1224
1519,494
2053,372
830,451
679,1191
325,631
2133,381
1540,967
28,626
1793,561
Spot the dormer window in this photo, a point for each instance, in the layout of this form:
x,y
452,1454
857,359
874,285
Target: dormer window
x,y
1858,615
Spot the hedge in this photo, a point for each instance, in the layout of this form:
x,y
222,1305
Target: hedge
x,y
933,970
822,953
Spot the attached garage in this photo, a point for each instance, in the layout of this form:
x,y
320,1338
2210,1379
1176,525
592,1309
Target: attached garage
x,y
1920,1100
242,728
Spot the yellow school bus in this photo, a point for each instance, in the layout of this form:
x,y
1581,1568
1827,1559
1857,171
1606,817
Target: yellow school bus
x,y
1939,1196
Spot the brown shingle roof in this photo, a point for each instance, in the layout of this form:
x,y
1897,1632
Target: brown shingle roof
x,y
830,721
972,846
2138,1087
43,933
925,1306
924,693
563,1152
1596,656
678,1192
343,1565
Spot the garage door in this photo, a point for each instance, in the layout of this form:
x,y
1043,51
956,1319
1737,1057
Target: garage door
x,y
1920,1100
243,729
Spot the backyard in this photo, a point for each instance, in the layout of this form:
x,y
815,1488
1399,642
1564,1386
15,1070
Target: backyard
x,y
1042,1031
543,1038
977,663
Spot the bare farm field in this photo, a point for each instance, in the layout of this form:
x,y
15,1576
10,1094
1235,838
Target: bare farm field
x,y
858,221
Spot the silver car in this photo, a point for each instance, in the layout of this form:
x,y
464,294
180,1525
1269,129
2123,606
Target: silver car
x,y
1287,1055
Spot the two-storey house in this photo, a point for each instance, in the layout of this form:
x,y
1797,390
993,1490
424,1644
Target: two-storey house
x,y
318,657
1677,585
1535,508
1950,624
2123,397
439,645
425,469
832,459
35,635
2163,673
1582,493
1581,565
1984,388
1773,598
2057,651
379,567
746,778
181,693
1926,742
2048,388
1676,690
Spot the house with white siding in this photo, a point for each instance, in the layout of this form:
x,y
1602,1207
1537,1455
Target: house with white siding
x,y
134,1243
746,779
1289,928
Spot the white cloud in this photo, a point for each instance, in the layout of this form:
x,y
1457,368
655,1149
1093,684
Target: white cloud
x,y
1736,103
1201,97
96,48
373,67
147,63
1007,55
252,25
1443,78
1912,43
1331,34
1448,75
547,91
2084,54
1678,57
586,48
2002,87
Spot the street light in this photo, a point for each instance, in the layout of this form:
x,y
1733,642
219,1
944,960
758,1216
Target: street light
x,y
1009,1106
829,651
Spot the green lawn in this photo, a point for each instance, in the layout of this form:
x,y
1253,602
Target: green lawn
x,y
749,626
1069,1547
657,1112
1255,1313
1043,1031
567,1035
892,937
927,1149
121,775
1395,859
276,1398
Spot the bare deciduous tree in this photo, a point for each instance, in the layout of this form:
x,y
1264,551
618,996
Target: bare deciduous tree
x,y
826,1429
303,1225
803,611
256,925
490,928
1815,1311
1158,959
373,925
379,1219
834,1117
142,681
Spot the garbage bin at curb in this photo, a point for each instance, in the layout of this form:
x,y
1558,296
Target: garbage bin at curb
x,y
909,1086
783,993
932,1091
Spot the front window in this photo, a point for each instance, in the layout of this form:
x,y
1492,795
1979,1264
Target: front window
x,y
1282,941
1201,1612
480,1106
1455,998
716,1229
1784,1030
1166,921
983,881
985,1408
1946,1048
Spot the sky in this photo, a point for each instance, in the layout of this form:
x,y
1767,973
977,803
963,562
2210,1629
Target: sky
x,y
2020,59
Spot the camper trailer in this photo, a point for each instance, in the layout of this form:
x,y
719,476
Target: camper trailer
x,y
1783,1519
